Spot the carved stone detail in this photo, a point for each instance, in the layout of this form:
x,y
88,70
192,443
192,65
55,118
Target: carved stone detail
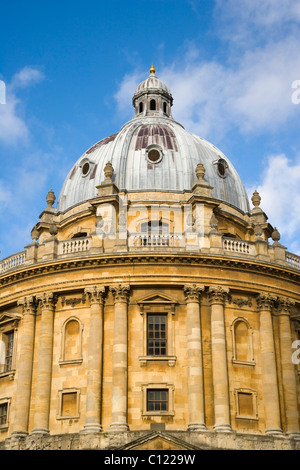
x,y
47,300
284,305
120,293
28,304
265,301
95,294
217,294
192,292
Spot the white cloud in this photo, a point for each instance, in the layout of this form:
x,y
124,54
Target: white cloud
x,y
280,197
13,126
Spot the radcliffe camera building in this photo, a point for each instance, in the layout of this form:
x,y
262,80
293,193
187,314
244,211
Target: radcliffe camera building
x,y
155,307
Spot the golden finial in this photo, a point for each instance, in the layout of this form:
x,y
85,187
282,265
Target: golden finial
x,y
152,70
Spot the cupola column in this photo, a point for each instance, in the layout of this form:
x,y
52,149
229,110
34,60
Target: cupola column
x,y
217,295
288,368
194,350
95,356
120,359
44,366
23,393
265,303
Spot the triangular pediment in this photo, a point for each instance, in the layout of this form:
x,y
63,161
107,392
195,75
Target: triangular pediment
x,y
159,441
157,298
9,317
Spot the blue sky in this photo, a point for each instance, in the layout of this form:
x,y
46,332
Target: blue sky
x,y
71,67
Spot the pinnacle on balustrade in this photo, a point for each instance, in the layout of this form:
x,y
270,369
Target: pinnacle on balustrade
x,y
275,235
108,171
50,198
256,199
200,171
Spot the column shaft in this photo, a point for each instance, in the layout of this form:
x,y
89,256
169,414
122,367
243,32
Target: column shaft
x,y
195,367
25,366
269,372
288,369
219,360
120,360
44,367
95,357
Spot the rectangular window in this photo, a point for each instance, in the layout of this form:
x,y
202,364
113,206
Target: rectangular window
x,y
156,335
157,400
9,337
69,404
3,414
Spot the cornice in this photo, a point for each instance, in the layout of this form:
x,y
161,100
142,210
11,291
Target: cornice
x,y
194,259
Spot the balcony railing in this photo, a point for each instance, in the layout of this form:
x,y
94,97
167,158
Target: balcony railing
x,y
12,262
238,246
154,240
75,245
292,260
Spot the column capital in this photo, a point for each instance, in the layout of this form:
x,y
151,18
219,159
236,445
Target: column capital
x,y
95,294
284,305
47,300
217,294
28,304
192,292
265,301
120,292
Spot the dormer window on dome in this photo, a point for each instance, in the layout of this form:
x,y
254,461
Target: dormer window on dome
x,y
86,166
154,153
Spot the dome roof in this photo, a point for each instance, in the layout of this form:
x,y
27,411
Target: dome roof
x,y
152,152
152,83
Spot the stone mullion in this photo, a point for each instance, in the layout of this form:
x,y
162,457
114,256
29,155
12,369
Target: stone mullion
x,y
265,303
120,360
288,369
44,367
95,358
25,366
194,352
217,296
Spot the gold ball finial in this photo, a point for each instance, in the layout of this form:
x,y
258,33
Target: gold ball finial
x,y
152,69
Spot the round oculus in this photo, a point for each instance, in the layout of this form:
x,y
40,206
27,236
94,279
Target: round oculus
x,y
154,155
85,168
222,166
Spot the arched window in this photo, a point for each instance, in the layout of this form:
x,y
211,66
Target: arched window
x,y
242,341
141,107
152,105
165,107
71,341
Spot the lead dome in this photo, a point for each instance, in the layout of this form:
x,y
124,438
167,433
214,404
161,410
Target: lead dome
x,y
153,152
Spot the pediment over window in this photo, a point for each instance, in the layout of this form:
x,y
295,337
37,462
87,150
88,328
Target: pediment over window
x,y
9,318
157,298
159,441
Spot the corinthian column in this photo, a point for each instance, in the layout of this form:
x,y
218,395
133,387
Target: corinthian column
x,y
44,367
265,303
120,359
194,350
217,295
288,369
94,373
25,365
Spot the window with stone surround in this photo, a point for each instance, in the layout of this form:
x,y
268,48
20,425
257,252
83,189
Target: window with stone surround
x,y
68,404
158,312
71,342
158,399
246,403
4,412
8,335
242,342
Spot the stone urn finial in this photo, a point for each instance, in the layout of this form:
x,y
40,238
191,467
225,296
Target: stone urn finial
x,y
108,171
275,235
53,230
200,171
256,199
50,198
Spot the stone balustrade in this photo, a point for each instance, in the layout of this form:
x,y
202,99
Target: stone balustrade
x,y
238,246
74,245
12,262
143,241
292,260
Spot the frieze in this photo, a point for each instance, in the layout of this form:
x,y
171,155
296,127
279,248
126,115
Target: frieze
x,y
73,301
239,301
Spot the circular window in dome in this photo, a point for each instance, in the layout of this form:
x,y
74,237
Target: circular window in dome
x,y
222,167
85,166
154,154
